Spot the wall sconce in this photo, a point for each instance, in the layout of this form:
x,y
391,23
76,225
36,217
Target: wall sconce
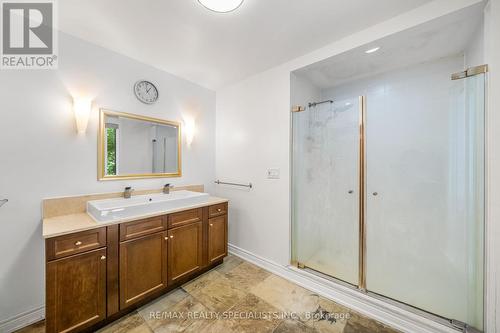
x,y
82,108
189,130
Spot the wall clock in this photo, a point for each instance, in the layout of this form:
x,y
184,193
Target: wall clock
x,y
146,92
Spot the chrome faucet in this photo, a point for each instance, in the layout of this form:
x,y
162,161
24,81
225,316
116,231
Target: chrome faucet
x,y
128,192
166,188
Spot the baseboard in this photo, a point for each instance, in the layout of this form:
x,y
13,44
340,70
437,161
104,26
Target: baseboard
x,y
384,312
22,320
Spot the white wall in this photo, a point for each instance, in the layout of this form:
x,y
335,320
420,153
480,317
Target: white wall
x,y
474,55
252,136
42,156
492,58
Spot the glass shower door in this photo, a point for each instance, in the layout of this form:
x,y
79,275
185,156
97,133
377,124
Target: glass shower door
x,y
326,188
425,196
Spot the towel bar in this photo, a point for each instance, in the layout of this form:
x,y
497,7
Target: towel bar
x,y
218,182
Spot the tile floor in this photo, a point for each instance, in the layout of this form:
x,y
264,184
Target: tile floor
x,y
247,299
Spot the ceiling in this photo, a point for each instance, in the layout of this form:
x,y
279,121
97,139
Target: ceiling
x,y
214,49
446,36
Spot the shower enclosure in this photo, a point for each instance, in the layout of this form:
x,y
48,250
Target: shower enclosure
x,y
388,175
388,193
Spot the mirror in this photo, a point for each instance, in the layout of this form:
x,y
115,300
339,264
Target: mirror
x,y
133,146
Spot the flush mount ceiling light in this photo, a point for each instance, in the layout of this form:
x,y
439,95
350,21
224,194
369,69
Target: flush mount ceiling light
x,y
375,49
221,6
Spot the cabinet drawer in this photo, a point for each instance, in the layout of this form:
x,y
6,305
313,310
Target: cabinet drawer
x,y
216,210
185,217
67,245
141,228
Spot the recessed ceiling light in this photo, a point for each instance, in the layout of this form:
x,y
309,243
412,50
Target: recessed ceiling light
x,y
221,6
375,49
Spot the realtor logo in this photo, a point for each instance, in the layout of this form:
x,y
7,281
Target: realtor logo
x,y
28,35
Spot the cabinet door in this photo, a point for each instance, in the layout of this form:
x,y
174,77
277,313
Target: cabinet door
x,y
143,268
184,251
76,291
217,238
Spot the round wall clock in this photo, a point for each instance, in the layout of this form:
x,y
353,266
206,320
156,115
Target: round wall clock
x,y
146,92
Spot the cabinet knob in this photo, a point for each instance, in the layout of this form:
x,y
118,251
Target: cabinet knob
x,y
103,257
219,209
78,243
375,193
171,236
166,238
211,224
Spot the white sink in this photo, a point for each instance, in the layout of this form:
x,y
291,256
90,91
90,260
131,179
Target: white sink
x,y
114,209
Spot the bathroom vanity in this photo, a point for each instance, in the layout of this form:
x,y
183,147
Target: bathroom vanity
x,y
98,271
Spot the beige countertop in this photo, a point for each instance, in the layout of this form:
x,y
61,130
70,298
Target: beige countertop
x,y
67,224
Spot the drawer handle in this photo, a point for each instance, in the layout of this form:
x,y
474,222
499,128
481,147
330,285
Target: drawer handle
x,y
78,243
103,257
219,209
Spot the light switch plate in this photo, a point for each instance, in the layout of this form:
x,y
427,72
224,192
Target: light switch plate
x,y
273,173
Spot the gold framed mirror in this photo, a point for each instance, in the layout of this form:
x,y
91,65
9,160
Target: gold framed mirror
x,y
133,147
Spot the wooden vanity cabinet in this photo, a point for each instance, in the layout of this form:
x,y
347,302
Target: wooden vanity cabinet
x,y
185,251
143,268
217,238
96,276
76,291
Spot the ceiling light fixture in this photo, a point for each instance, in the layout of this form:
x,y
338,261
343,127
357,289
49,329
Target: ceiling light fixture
x,y
221,6
375,49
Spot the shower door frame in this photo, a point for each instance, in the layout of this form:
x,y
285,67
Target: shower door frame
x,y
361,287
362,193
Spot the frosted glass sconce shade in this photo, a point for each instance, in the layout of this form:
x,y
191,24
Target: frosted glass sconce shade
x,y
82,107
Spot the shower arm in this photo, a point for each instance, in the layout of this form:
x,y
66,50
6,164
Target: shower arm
x,y
314,104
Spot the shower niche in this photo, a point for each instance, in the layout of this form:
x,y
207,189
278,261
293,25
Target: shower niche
x,y
388,169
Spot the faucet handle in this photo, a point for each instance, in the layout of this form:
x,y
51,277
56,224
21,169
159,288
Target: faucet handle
x,y
128,192
166,188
